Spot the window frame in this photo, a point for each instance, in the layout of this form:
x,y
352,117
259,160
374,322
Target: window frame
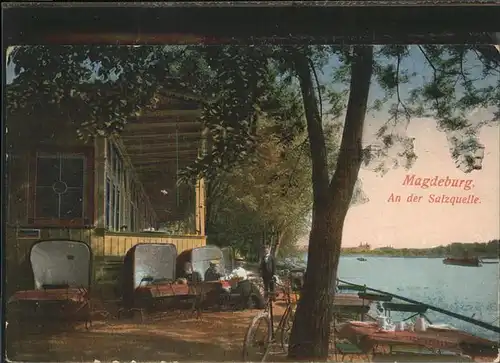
x,y
121,186
132,197
87,218
114,178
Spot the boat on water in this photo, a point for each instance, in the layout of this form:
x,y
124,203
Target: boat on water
x,y
361,259
465,261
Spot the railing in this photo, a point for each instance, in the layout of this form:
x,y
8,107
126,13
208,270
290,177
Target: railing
x,y
467,319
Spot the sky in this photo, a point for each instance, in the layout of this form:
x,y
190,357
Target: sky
x,y
421,225
424,224
381,223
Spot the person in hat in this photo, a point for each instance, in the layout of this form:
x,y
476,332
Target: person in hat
x,y
268,270
191,275
213,273
239,273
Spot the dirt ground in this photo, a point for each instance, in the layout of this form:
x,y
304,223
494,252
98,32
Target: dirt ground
x,y
173,336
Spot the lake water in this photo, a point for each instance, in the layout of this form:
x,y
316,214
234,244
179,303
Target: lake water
x,y
470,291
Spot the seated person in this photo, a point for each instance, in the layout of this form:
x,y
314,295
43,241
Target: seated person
x,y
243,287
239,273
212,273
189,274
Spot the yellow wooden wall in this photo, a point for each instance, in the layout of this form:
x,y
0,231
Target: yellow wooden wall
x,y
102,244
118,244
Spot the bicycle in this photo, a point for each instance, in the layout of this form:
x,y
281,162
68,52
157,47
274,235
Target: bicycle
x,y
266,319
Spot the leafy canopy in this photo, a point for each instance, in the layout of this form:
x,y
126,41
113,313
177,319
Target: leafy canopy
x,y
98,88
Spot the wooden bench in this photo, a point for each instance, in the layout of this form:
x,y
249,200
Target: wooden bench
x,y
343,287
374,297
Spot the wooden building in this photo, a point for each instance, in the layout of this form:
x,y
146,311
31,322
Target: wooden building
x,y
107,191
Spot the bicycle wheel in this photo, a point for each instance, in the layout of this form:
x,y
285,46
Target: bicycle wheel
x,y
257,339
286,329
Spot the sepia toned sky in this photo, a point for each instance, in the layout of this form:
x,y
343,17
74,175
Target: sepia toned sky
x,y
400,225
381,223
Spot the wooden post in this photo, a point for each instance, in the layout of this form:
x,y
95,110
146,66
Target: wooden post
x,y
100,182
201,212
200,207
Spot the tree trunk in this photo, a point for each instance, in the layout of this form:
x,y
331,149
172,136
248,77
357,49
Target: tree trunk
x,y
311,329
279,239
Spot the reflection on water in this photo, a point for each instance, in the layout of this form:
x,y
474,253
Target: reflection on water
x,y
469,291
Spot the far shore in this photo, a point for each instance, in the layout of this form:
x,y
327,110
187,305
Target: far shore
x,y
361,254
402,256
483,250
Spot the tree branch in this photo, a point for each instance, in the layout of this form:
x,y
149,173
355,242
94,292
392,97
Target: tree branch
x,y
490,53
351,152
434,72
318,87
400,102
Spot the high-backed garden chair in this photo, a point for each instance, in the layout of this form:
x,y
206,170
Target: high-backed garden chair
x,y
343,347
61,293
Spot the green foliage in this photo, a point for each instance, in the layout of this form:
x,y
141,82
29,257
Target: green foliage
x,y
99,89
245,90
449,96
262,200
268,198
237,86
